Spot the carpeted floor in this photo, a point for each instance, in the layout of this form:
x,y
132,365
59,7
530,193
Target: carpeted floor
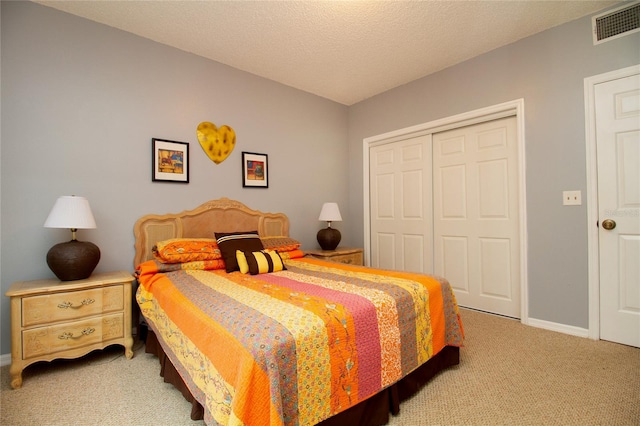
x,y
509,374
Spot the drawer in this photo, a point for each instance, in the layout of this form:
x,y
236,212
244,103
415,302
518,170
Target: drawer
x,y
72,335
48,308
351,259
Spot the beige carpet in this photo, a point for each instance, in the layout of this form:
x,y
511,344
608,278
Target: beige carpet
x,y
509,374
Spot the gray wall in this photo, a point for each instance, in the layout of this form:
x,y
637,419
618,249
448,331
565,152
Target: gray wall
x,y
80,104
548,71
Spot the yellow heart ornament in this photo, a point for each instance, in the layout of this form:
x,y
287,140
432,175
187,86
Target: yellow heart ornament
x,y
216,142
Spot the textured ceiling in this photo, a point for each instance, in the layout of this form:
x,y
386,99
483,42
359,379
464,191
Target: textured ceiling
x,y
345,51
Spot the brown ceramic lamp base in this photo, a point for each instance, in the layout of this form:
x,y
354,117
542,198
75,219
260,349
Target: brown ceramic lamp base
x,y
73,260
329,238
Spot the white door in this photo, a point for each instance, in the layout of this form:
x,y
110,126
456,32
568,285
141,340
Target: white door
x,y
617,117
476,214
401,212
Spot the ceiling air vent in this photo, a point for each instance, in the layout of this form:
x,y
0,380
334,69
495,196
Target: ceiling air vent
x,y
616,23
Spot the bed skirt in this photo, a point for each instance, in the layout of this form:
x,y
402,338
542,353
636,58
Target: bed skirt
x,y
373,411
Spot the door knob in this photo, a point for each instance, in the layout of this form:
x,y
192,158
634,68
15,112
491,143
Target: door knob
x,y
608,224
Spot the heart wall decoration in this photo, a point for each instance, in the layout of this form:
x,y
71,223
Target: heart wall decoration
x,y
217,143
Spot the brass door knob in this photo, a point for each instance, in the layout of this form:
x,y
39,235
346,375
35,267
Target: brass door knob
x,y
608,224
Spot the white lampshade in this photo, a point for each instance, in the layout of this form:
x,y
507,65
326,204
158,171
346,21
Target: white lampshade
x,y
71,212
330,212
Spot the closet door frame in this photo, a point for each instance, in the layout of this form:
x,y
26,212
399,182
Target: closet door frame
x,y
511,108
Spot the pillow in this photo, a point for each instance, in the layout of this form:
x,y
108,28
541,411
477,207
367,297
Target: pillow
x,y
198,265
155,266
280,243
293,254
230,242
259,262
182,250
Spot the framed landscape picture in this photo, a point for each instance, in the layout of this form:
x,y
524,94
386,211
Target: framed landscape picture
x,y
255,170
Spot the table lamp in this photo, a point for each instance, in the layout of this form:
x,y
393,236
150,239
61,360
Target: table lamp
x,y
73,260
329,238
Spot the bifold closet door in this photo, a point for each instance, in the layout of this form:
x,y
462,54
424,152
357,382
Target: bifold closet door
x,y
476,218
401,210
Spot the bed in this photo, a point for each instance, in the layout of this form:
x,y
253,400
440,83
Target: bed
x,y
286,339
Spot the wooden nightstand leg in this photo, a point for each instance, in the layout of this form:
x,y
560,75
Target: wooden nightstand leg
x,y
128,338
128,347
16,376
17,363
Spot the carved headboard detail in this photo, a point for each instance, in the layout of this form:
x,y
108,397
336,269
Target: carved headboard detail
x,y
221,215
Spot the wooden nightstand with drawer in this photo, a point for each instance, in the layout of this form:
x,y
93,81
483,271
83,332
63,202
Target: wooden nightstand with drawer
x,y
67,319
352,256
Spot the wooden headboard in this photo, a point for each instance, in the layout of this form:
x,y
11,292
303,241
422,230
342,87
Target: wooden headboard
x,y
222,215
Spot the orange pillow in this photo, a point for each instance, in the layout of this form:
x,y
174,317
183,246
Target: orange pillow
x,y
280,243
182,250
293,254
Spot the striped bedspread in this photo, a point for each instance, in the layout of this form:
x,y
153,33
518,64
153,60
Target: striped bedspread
x,y
297,346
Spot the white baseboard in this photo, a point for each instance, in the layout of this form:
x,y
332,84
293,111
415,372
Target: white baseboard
x,y
5,359
561,328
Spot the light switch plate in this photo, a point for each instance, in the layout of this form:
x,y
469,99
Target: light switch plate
x,y
571,198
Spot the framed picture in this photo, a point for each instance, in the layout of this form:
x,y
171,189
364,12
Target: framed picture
x,y
169,161
255,170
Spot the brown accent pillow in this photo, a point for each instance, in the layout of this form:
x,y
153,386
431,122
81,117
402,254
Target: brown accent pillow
x,y
229,242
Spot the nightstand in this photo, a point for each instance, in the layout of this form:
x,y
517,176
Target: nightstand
x,y
67,319
352,256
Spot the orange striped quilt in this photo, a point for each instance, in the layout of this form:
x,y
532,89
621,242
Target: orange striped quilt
x,y
297,346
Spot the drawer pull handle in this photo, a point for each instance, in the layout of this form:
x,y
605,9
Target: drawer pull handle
x,y
67,305
66,335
